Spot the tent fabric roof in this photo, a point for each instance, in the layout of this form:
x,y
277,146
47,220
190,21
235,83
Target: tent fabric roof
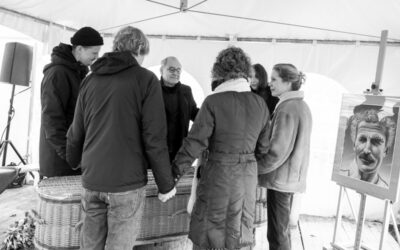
x,y
261,18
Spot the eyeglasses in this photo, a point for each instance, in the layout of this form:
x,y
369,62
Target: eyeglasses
x,y
174,70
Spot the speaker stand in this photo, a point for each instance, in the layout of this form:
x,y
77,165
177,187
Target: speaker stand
x,y
3,147
4,144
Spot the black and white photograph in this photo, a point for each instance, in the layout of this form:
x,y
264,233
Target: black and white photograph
x,y
365,151
199,124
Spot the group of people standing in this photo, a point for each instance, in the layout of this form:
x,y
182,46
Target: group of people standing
x,y
114,123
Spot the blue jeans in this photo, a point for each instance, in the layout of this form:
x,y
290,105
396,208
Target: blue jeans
x,y
111,220
279,205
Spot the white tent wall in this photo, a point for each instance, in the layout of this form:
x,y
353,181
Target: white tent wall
x,y
352,65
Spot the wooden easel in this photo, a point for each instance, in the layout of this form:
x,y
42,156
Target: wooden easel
x,y
388,213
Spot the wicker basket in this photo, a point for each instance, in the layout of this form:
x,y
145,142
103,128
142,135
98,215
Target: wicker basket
x,y
60,212
261,207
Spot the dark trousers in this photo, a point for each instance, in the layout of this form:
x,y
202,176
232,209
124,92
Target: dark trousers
x,y
279,205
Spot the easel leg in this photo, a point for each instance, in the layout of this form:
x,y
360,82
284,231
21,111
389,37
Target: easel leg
x,y
351,206
338,220
385,225
396,230
360,222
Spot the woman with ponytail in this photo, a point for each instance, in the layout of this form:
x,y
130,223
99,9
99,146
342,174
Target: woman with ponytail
x,y
283,169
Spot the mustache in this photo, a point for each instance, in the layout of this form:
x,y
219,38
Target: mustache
x,y
366,157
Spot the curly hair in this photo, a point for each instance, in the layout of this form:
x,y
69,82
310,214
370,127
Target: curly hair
x,y
131,39
289,73
387,124
231,63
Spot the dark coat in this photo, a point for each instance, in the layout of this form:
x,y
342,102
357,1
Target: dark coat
x,y
232,126
59,92
186,110
270,100
119,127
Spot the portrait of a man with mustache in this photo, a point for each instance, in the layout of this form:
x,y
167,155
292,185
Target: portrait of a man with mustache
x,y
372,138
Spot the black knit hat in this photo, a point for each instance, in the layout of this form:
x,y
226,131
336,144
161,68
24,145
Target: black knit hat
x,y
87,36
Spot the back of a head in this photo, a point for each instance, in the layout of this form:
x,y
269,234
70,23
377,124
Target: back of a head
x,y
289,73
131,39
87,36
231,63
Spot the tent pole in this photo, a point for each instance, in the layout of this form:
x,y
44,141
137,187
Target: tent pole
x,y
375,88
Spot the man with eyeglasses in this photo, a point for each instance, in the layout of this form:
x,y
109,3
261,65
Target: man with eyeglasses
x,y
180,106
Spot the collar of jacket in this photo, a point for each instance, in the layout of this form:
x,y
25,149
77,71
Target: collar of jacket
x,y
113,62
290,95
237,85
62,55
168,89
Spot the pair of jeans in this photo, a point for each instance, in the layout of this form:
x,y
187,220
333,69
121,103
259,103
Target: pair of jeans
x,y
279,205
196,247
111,220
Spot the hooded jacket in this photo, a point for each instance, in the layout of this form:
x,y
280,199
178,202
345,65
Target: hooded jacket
x,y
59,92
119,128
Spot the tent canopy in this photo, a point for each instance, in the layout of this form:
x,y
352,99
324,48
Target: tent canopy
x,y
333,20
335,38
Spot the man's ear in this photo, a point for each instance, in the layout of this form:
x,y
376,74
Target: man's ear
x,y
79,48
386,151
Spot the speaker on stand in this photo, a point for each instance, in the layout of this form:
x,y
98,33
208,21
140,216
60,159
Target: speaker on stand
x,y
15,70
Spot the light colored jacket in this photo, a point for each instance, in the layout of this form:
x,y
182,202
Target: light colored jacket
x,y
284,167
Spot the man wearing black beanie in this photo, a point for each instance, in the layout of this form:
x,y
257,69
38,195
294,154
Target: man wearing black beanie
x,y
59,92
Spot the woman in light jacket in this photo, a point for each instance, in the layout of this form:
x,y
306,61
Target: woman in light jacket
x,y
283,169
232,125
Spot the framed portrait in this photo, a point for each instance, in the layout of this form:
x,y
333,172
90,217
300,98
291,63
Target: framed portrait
x,y
367,157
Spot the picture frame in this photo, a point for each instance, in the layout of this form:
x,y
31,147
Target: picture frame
x,y
367,157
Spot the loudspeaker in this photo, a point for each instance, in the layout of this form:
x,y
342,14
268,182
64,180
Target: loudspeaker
x,y
17,64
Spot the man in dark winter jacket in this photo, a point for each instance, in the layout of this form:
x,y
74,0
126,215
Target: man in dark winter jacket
x,y
59,92
119,130
180,106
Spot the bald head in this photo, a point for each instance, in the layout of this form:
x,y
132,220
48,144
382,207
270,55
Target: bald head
x,y
170,71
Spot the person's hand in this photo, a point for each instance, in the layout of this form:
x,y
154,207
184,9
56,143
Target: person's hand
x,y
176,173
167,196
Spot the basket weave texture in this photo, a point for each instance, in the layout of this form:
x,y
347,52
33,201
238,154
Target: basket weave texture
x,y
60,212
